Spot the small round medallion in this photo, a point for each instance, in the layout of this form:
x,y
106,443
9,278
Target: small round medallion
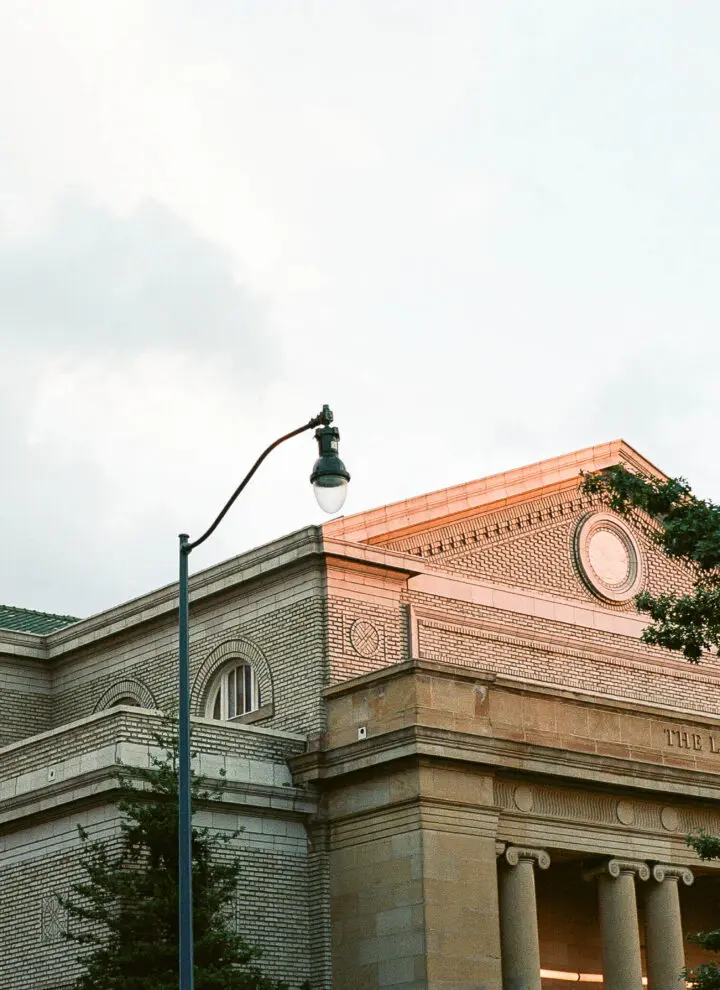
x,y
625,812
365,638
523,798
670,819
608,557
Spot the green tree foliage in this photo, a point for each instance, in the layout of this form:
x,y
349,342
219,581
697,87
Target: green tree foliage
x,y
688,530
124,913
707,975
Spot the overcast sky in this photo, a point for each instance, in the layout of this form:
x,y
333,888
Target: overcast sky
x,y
485,232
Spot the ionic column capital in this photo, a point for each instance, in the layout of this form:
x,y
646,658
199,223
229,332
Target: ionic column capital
x,y
663,871
614,867
513,854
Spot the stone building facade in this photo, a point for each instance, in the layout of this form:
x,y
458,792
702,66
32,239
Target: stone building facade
x,y
455,764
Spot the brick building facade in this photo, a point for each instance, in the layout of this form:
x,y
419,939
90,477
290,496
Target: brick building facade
x,y
454,763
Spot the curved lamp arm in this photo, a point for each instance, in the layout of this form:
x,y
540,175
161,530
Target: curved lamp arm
x,y
322,419
329,469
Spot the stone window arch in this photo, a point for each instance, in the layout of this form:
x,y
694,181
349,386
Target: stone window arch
x,y
232,663
128,691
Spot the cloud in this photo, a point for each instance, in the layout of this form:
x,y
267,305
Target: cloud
x,y
97,283
132,355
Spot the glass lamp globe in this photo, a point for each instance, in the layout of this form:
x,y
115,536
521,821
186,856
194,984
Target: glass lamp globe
x,y
331,498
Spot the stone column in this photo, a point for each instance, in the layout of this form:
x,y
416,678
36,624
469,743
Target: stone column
x,y
622,965
518,918
663,927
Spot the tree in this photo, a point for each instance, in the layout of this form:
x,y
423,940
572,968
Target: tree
x,y
127,903
687,529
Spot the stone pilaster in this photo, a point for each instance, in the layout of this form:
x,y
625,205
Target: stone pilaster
x,y
622,965
663,927
518,918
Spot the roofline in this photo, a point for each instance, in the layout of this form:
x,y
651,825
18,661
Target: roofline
x,y
390,521
283,552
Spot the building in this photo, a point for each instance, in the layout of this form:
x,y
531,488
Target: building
x,y
455,763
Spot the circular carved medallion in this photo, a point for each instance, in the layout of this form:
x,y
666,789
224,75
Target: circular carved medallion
x,y
523,798
608,557
670,819
364,637
625,812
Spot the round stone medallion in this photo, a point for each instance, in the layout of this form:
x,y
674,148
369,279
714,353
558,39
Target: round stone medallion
x,y
670,819
625,812
523,798
608,557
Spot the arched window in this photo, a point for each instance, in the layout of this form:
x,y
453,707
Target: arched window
x,y
235,693
126,700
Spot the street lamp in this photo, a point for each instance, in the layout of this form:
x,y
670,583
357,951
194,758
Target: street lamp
x,y
330,480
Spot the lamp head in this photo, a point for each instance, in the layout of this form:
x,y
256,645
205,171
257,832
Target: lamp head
x,y
329,476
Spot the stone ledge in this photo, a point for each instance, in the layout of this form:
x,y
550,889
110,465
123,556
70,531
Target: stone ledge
x,y
493,753
89,786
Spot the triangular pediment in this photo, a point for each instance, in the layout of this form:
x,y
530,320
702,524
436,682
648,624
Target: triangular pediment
x,y
423,513
528,527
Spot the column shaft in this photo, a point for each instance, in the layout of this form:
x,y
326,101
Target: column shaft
x,y
518,925
622,965
663,927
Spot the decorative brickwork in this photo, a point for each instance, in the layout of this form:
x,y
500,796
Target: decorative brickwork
x,y
533,545
129,690
563,655
379,632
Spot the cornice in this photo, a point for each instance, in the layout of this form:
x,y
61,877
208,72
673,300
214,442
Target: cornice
x,y
94,786
32,646
323,767
286,552
425,511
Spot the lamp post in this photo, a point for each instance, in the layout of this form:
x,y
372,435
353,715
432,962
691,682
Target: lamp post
x,y
330,480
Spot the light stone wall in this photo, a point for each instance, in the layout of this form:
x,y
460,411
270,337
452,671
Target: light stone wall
x,y
452,766
413,881
51,783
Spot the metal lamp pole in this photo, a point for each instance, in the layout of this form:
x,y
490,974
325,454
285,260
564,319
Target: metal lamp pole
x,y
330,479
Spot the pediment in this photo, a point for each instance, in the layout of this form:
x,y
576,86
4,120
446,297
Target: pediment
x,y
529,528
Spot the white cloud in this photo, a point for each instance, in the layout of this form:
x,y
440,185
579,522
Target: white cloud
x,y
486,233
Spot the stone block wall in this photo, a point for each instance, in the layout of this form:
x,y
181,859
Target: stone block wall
x,y
51,783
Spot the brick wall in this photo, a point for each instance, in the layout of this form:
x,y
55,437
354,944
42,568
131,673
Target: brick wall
x,y
25,699
531,545
564,655
284,619
40,848
270,908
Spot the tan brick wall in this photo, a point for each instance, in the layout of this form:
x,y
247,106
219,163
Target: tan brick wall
x,y
531,545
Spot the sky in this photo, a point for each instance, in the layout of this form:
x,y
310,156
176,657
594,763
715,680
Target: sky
x,y
484,232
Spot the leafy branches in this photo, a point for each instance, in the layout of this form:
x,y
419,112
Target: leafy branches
x,y
688,530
